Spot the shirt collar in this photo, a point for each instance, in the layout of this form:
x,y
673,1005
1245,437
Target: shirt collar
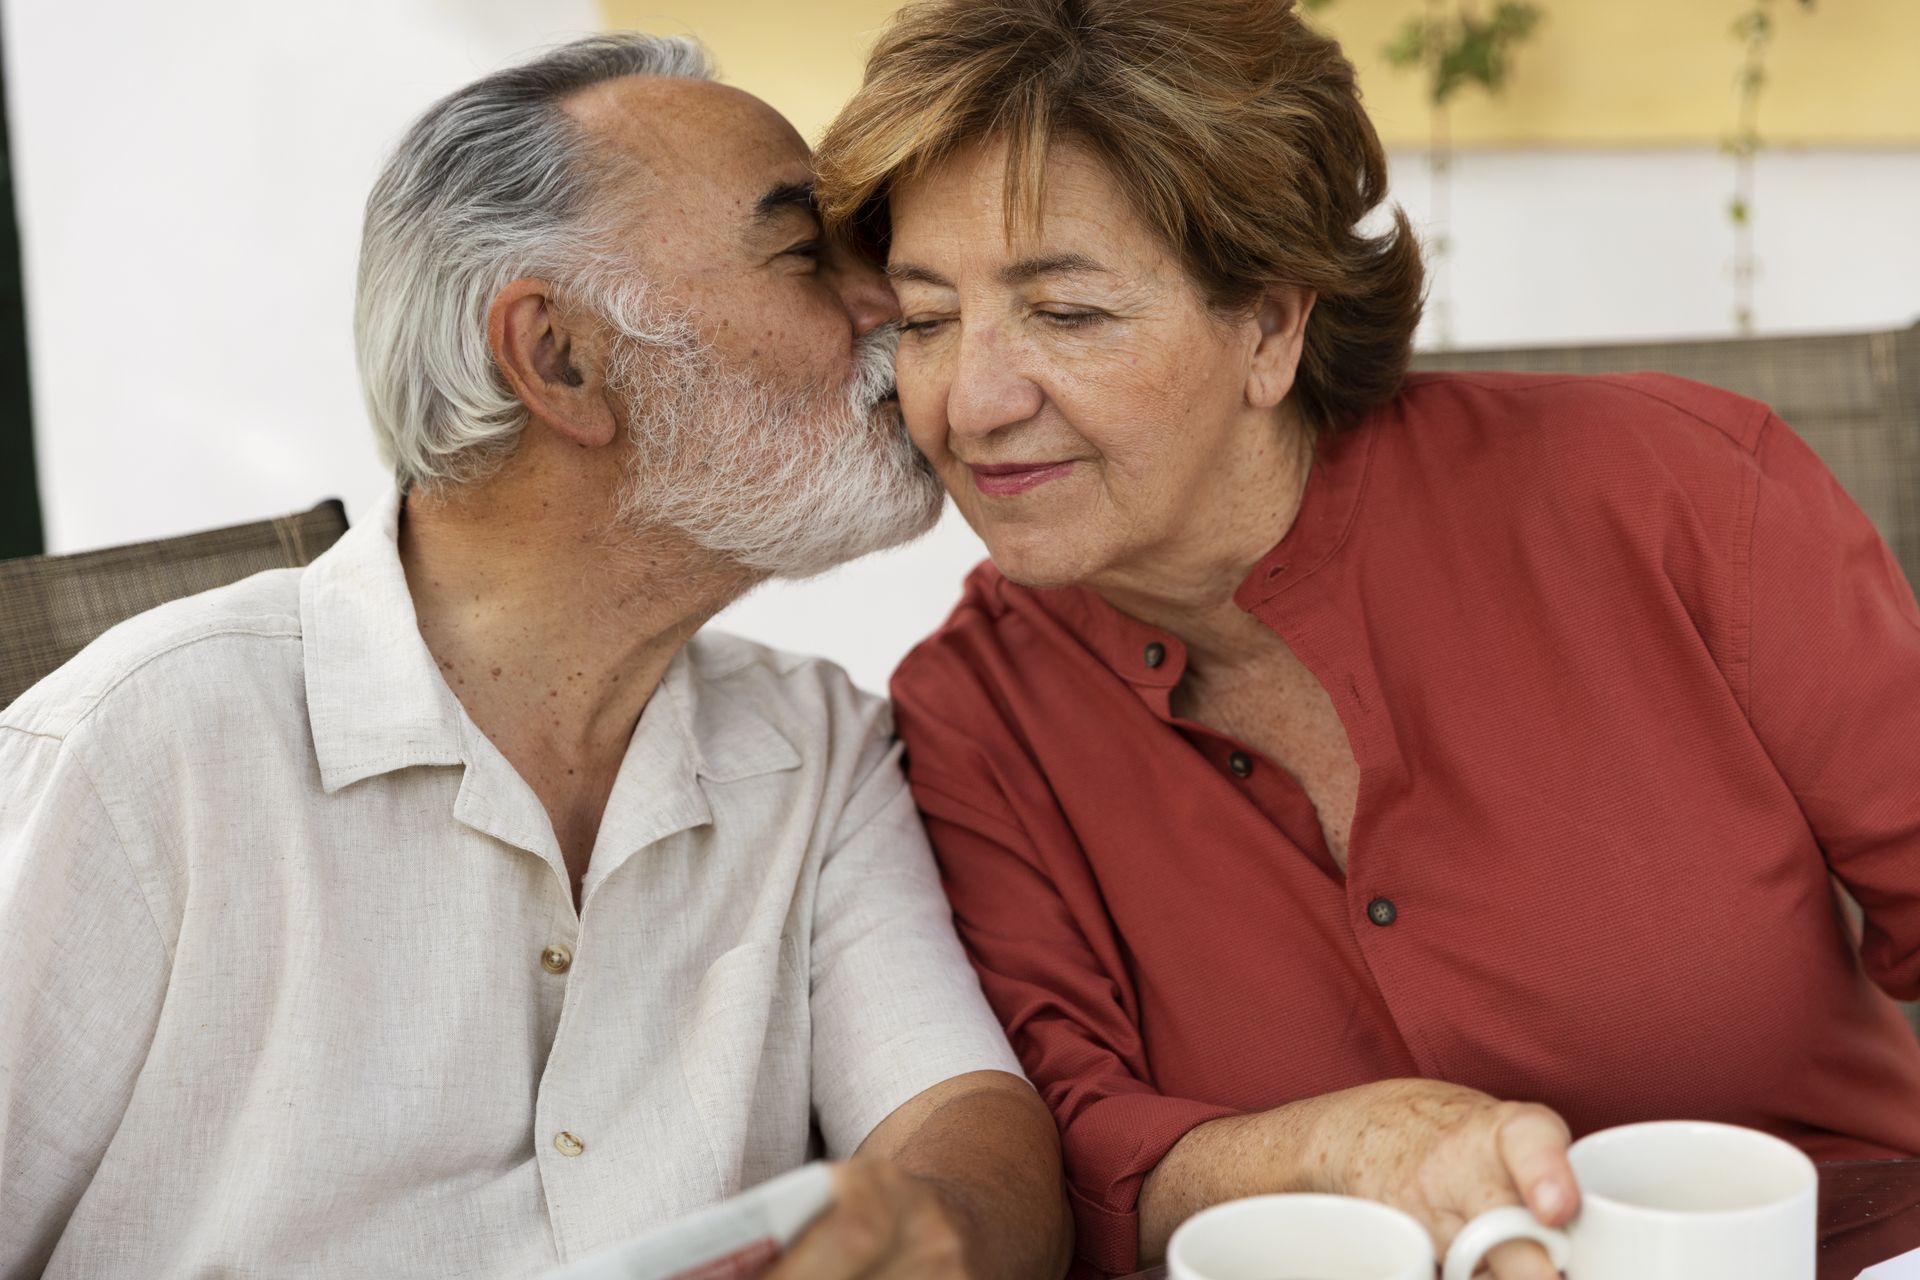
x,y
375,698
378,703
1153,660
1341,463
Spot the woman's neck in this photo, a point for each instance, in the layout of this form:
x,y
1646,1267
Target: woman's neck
x,y
1187,588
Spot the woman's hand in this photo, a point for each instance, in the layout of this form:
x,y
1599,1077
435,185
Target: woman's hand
x,y
1441,1152
1447,1154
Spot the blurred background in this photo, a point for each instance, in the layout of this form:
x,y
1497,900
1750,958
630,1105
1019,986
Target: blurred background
x,y
184,184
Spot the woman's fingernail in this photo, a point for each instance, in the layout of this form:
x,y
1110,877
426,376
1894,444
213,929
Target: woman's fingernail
x,y
1547,1199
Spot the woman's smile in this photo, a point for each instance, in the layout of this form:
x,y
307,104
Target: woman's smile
x,y
1006,479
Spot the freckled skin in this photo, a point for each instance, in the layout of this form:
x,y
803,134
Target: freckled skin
x,y
692,246
1173,465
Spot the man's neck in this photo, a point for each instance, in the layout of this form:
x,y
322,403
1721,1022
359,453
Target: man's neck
x,y
551,628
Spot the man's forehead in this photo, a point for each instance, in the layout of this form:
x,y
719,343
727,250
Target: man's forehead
x,y
694,133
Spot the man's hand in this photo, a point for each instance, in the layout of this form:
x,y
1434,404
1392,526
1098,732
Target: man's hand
x,y
885,1224
962,1179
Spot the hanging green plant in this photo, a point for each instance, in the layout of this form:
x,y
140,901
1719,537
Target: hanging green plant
x,y
1461,49
1754,29
1456,48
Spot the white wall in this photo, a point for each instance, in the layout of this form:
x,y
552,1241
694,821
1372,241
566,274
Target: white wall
x,y
191,180
190,177
1576,246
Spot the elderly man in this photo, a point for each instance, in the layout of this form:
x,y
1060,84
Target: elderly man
x,y
451,907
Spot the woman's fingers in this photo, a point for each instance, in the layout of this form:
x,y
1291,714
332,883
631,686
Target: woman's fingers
x,y
1530,1166
1532,1142
1520,1260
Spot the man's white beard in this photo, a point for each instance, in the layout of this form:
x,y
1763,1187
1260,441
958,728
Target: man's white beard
x,y
788,484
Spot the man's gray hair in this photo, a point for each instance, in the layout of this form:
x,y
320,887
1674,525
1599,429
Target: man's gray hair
x,y
495,182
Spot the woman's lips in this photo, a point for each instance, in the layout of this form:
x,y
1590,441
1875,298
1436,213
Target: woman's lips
x,y
1005,479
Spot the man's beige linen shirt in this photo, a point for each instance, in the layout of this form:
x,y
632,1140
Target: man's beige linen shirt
x,y
294,985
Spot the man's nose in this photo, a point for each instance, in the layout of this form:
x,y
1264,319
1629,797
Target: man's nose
x,y
864,291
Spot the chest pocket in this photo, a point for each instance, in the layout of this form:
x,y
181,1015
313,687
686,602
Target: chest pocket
x,y
745,1048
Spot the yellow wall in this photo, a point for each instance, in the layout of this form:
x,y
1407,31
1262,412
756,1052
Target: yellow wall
x,y
802,56
1596,72
1663,72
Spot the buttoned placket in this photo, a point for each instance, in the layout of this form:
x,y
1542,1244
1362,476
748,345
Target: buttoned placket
x,y
497,802
1379,912
656,796
1161,666
1283,593
559,967
563,1130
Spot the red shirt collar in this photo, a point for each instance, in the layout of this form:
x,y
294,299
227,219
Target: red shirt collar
x,y
1327,512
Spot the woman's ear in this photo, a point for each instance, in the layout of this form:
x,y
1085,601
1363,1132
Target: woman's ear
x,y
554,363
1282,319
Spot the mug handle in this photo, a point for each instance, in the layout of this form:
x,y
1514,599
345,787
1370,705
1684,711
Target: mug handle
x,y
1496,1227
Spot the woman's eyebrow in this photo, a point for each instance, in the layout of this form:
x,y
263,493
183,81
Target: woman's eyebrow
x,y
1021,272
1052,264
907,271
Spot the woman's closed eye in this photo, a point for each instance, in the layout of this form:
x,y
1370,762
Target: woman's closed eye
x,y
807,251
1053,318
1064,318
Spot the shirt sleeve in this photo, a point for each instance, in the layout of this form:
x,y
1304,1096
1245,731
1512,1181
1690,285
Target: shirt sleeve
x,y
896,1009
80,992
1835,691
1063,1007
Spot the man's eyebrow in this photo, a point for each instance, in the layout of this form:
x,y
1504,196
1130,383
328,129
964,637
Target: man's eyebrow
x,y
1052,264
783,197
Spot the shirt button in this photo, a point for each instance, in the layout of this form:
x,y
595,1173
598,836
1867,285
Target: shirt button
x,y
1156,653
1241,763
556,959
1381,911
567,1144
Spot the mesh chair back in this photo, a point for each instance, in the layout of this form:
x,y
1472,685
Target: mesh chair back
x,y
1855,398
51,607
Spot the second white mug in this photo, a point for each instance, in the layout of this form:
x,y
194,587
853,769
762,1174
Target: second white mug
x,y
1671,1200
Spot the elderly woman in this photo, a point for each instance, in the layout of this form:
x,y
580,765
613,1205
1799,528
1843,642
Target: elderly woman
x,y
1331,757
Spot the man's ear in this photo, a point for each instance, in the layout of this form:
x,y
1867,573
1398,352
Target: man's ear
x,y
553,364
1282,317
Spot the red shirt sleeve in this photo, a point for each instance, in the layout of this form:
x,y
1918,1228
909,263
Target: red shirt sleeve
x,y
1064,998
1834,689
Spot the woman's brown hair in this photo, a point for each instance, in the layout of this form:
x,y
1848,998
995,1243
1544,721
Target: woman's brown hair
x,y
1235,129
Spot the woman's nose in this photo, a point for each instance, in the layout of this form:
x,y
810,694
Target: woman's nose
x,y
990,387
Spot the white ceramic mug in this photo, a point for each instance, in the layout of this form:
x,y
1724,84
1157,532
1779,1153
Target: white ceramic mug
x,y
1300,1237
1671,1200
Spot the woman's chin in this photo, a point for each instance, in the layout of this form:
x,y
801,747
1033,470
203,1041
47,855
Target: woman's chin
x,y
1037,562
